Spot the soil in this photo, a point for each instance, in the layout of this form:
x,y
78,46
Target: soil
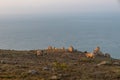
x,y
56,65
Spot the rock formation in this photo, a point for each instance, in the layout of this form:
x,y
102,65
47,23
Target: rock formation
x,y
71,49
97,51
89,55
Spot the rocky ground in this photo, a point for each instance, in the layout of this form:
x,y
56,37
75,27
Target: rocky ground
x,y
56,65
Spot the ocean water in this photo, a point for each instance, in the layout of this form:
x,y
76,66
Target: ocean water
x,y
83,31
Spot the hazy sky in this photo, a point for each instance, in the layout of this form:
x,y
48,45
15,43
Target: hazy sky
x,y
42,22
52,7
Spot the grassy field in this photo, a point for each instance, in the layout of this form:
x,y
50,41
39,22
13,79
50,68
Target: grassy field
x,y
26,65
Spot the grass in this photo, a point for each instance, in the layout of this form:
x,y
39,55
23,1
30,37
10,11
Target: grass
x,y
67,66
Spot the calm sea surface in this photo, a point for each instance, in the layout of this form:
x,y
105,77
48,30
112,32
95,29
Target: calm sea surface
x,y
83,31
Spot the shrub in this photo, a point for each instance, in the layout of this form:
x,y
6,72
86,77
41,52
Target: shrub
x,y
60,66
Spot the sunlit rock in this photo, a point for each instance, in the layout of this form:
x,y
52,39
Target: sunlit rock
x,y
71,49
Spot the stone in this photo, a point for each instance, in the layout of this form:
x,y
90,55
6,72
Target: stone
x,y
46,68
107,55
2,62
89,55
54,77
71,49
116,63
96,50
33,72
104,63
39,52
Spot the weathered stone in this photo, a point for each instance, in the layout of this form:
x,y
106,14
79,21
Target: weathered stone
x,y
54,78
116,63
46,68
104,63
39,52
71,49
107,55
96,50
2,62
33,72
89,55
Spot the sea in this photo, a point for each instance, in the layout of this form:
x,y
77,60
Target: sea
x,y
84,31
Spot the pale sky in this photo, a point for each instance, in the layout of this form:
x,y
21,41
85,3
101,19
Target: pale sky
x,y
48,7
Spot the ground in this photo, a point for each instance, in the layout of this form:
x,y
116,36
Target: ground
x,y
26,65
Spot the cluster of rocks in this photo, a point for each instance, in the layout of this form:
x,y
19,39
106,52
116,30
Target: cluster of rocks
x,y
70,49
54,49
98,52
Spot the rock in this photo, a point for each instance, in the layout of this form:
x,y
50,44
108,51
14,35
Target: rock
x,y
89,55
2,62
107,55
54,78
46,68
104,63
39,52
33,72
116,63
71,49
96,50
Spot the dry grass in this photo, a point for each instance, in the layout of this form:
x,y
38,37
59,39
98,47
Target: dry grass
x,y
15,65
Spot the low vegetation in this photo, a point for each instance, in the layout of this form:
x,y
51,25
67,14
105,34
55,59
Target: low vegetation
x,y
53,65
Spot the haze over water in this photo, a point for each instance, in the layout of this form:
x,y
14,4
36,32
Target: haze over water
x,y
85,24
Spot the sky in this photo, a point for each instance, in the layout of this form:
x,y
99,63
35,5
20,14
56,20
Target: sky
x,y
23,21
57,7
